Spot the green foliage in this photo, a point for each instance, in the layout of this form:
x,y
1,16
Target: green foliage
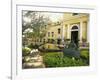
x,y
52,59
85,53
72,45
35,46
71,53
73,62
71,50
30,46
25,51
37,22
56,59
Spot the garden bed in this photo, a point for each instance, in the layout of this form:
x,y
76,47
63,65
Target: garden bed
x,y
57,59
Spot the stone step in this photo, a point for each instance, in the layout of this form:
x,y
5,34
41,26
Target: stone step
x,y
33,65
34,62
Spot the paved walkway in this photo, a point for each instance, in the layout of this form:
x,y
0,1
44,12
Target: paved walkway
x,y
34,62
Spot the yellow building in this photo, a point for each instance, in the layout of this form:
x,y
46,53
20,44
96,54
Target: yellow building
x,y
76,27
54,33
73,27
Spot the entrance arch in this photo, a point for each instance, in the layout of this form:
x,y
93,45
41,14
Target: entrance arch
x,y
74,34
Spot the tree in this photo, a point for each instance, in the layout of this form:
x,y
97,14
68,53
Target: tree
x,y
35,21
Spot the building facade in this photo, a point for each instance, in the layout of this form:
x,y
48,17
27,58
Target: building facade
x,y
73,27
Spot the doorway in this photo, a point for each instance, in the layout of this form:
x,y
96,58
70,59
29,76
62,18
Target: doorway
x,y
74,35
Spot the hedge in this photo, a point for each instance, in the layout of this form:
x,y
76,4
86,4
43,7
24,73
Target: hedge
x,y
56,59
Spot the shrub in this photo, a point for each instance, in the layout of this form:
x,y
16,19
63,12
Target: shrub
x,y
25,51
35,46
71,50
85,53
31,46
72,45
57,60
52,59
72,62
71,53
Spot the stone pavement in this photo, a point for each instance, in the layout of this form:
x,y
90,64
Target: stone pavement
x,y
34,62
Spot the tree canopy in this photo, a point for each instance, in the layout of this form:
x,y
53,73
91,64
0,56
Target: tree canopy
x,y
35,21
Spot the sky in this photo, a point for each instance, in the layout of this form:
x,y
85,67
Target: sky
x,y
54,17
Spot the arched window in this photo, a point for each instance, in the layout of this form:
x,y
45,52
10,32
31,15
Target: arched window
x,y
74,27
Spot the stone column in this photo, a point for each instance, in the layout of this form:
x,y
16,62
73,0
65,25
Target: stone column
x,y
68,32
80,31
88,31
62,33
